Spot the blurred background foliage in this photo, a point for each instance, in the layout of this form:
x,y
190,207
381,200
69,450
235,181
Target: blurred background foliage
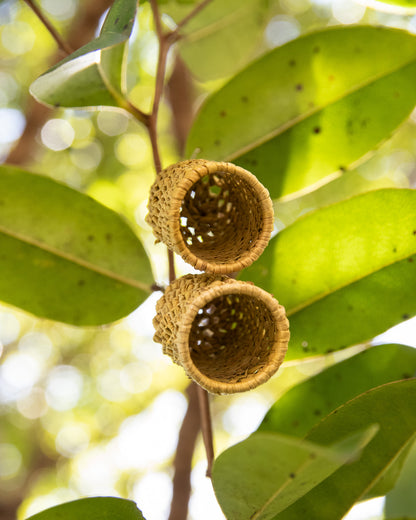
x,y
97,410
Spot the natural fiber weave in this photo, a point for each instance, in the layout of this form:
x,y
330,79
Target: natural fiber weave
x,y
215,215
228,335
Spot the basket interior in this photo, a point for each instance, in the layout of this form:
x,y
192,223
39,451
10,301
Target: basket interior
x,y
221,218
231,338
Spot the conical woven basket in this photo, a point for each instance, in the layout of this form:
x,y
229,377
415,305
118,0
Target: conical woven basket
x,y
228,335
215,215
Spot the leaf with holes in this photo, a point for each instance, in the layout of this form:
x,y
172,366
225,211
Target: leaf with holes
x,y
309,109
264,474
64,256
94,74
333,497
345,273
95,508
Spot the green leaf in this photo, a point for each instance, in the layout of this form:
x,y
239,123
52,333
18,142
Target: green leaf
x,y
94,74
345,273
401,501
392,407
96,508
307,110
64,256
235,26
304,405
261,476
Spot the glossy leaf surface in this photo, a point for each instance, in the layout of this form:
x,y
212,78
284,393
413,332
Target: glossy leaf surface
x,y
97,508
267,472
93,75
310,108
64,256
331,499
345,273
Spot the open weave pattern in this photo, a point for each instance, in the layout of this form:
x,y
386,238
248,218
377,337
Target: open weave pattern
x,y
229,336
216,215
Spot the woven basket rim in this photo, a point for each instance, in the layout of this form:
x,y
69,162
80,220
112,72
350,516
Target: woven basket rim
x,y
195,172
215,290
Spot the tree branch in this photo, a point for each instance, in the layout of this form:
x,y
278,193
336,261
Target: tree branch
x,y
183,457
206,428
53,32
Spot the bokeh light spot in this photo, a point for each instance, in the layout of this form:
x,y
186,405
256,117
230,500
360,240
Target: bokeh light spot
x,y
60,10
281,29
10,460
34,405
72,438
112,123
88,157
57,134
132,150
9,328
12,124
18,37
64,388
154,493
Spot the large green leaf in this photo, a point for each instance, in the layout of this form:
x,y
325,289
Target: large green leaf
x,y
392,407
345,273
222,38
264,474
94,74
64,256
312,107
96,508
304,405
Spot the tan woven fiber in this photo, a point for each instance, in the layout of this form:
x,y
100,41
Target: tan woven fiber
x,y
228,335
215,215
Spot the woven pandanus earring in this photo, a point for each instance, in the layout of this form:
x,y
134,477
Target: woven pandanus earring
x,y
228,335
215,215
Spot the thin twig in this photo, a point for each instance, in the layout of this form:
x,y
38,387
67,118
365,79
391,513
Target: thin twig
x,y
157,19
197,9
183,458
206,428
53,32
171,260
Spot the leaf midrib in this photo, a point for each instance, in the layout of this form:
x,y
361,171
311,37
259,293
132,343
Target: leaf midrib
x,y
76,260
313,111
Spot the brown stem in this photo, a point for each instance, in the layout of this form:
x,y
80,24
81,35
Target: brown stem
x,y
53,32
183,458
206,428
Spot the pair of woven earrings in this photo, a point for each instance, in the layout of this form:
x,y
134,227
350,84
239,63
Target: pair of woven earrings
x,y
228,335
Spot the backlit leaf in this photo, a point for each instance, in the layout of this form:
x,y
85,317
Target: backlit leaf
x,y
264,474
94,74
64,256
309,109
332,499
345,273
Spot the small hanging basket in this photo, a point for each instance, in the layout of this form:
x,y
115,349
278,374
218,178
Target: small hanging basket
x,y
228,335
215,215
